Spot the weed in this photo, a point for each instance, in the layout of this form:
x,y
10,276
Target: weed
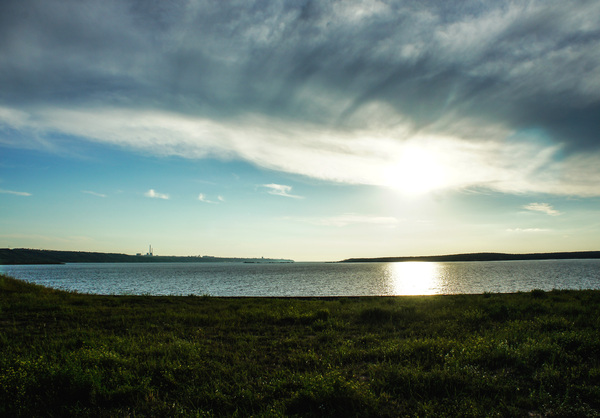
x,y
67,354
538,294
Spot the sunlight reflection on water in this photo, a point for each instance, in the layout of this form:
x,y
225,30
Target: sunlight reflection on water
x,y
414,278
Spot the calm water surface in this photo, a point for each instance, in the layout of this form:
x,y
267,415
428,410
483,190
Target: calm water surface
x,y
313,279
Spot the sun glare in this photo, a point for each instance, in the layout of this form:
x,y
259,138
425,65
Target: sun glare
x,y
417,171
415,278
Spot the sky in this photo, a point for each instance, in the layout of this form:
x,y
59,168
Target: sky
x,y
310,130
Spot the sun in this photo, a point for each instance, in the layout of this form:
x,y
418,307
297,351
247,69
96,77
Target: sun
x,y
416,171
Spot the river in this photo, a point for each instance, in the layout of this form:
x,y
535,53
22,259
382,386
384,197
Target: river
x,y
313,279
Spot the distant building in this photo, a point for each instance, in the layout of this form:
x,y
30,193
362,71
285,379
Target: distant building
x,y
149,253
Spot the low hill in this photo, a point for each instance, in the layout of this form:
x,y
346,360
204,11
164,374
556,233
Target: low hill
x,y
33,256
483,257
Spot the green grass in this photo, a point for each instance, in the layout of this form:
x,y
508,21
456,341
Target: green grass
x,y
524,354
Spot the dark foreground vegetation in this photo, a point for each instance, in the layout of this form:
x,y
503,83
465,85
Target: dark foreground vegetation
x,y
526,354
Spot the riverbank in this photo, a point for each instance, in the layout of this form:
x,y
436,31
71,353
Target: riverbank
x,y
575,255
534,353
20,256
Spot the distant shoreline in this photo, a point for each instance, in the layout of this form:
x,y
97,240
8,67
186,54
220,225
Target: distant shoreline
x,y
20,256
576,255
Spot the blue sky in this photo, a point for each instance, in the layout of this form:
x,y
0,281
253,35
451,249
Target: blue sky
x,y
305,130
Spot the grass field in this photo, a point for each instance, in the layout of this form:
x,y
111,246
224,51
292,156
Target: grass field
x,y
525,354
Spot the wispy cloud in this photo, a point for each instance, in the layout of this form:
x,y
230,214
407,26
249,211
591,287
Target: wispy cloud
x,y
202,197
350,219
526,230
15,193
71,239
281,190
155,195
344,88
93,193
345,156
542,207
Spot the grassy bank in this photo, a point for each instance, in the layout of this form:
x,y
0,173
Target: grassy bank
x,y
526,354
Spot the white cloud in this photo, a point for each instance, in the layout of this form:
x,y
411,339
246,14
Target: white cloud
x,y
542,207
155,195
27,240
281,190
526,230
202,197
15,193
93,193
374,156
14,117
347,90
351,219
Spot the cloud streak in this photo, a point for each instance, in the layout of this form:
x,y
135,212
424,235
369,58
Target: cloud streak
x,y
351,219
94,193
506,93
527,230
543,208
281,190
202,198
14,192
156,195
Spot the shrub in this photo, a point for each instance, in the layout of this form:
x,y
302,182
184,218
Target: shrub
x,y
538,294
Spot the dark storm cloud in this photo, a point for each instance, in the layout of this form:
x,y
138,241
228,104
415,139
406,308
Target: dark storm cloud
x,y
435,63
